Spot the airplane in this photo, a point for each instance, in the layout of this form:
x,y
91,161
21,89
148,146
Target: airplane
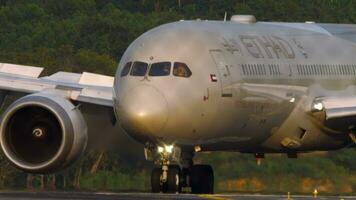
x,y
194,86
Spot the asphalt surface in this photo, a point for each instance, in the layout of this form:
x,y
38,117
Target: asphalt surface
x,y
129,196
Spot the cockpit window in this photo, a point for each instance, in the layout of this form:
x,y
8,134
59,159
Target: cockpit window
x,y
139,69
160,69
126,69
181,70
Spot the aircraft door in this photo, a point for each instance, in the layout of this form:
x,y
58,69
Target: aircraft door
x,y
224,72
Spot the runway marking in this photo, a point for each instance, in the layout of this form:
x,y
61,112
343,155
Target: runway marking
x,y
212,197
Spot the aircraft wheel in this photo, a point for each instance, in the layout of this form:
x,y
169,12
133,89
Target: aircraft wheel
x,y
156,180
173,179
202,179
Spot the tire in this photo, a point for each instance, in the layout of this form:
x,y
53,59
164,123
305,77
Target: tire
x,y
156,180
173,179
184,177
202,179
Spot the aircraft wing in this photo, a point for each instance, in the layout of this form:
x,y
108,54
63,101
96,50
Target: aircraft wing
x,y
335,107
86,87
271,93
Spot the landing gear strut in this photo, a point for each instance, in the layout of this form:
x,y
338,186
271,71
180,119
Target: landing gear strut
x,y
172,178
171,184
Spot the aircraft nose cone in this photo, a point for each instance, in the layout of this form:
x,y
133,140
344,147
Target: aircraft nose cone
x,y
144,110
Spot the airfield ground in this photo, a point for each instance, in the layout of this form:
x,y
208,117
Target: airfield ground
x,y
148,196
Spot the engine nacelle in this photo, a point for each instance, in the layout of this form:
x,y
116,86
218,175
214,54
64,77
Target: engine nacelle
x,y
42,133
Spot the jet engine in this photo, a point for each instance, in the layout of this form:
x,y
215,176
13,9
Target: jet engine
x,y
42,133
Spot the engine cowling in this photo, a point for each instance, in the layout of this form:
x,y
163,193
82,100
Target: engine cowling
x,y
42,133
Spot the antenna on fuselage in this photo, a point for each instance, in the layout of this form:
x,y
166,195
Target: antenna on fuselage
x,y
225,16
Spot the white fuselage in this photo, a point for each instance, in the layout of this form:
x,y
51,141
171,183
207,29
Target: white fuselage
x,y
250,89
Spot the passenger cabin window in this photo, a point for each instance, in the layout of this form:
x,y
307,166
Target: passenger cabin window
x,y
125,71
139,69
160,69
181,70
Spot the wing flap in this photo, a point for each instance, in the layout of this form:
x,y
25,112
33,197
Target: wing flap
x,y
96,80
21,70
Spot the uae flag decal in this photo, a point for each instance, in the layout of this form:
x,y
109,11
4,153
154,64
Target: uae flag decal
x,y
213,78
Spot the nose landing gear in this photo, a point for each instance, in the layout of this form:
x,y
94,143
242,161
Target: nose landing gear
x,y
198,179
166,181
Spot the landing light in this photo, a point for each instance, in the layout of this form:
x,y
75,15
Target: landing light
x,y
169,148
318,106
165,149
141,114
160,149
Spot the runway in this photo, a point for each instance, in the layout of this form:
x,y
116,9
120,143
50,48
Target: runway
x,y
129,196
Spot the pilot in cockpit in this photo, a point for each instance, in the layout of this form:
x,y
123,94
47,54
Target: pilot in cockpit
x,y
180,69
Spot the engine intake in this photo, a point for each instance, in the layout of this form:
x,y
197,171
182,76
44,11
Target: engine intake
x,y
42,133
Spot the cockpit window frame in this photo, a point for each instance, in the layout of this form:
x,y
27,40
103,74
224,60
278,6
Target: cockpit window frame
x,y
185,67
124,71
139,75
160,75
